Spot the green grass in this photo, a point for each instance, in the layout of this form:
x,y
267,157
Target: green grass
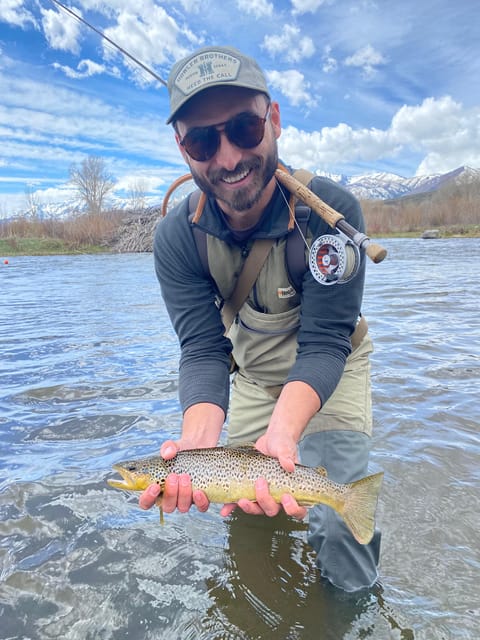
x,y
44,247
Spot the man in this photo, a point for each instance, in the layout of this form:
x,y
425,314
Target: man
x,y
300,385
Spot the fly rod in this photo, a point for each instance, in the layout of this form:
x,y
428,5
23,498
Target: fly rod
x,y
332,217
112,42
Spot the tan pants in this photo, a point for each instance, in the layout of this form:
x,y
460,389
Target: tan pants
x,y
348,408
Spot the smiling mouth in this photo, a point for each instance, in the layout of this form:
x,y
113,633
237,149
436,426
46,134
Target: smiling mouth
x,y
237,177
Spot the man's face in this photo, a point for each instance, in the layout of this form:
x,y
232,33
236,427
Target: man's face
x,y
236,177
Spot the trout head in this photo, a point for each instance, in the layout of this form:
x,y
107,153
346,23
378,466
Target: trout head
x,y
137,475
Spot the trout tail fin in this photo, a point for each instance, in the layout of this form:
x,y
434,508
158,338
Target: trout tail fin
x,y
359,507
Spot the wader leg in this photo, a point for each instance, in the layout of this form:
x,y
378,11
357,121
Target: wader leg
x,y
340,558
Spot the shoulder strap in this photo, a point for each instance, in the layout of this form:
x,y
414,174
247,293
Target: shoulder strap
x,y
250,270
199,235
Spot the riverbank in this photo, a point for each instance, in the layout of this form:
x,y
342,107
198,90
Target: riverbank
x,y
33,246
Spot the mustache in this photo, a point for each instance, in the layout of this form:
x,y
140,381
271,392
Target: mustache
x,y
216,176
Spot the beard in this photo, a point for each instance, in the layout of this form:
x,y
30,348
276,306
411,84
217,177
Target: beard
x,y
243,198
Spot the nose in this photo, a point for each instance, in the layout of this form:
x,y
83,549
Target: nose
x,y
228,155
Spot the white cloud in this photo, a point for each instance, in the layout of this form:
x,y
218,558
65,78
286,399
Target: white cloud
x,y
293,86
152,38
306,6
443,129
85,69
13,12
330,64
258,8
366,58
61,33
290,44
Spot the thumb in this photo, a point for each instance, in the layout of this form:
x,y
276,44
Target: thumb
x,y
169,449
287,462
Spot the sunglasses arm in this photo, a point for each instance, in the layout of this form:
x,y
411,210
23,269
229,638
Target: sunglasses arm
x,y
333,218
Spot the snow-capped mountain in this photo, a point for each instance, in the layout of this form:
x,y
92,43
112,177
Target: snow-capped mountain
x,y
387,186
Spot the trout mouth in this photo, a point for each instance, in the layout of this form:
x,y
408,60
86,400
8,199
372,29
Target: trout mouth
x,y
130,481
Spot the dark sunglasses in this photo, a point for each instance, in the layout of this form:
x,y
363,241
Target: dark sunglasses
x,y
245,130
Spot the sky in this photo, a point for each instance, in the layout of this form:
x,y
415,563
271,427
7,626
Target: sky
x,y
364,86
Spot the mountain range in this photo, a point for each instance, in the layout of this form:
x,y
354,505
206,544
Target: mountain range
x,y
388,186
370,186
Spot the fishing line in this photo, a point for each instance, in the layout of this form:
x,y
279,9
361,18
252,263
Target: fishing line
x,y
292,215
112,42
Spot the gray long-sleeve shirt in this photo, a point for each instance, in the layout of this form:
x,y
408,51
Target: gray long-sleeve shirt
x,y
328,313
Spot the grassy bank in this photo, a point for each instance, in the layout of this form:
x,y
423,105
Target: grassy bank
x,y
44,247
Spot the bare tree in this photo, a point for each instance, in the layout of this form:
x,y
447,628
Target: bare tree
x,y
32,202
137,192
92,182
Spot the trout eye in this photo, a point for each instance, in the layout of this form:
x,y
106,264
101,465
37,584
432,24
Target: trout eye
x,y
131,467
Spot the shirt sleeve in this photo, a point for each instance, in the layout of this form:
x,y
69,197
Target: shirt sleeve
x,y
189,296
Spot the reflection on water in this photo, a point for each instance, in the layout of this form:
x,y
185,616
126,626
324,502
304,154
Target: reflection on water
x,y
88,377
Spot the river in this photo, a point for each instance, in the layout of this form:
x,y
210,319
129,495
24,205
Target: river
x,y
88,376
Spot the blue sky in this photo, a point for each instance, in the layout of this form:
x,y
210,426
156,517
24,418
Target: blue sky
x,y
364,86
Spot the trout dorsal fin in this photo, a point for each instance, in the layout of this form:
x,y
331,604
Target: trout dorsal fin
x,y
321,471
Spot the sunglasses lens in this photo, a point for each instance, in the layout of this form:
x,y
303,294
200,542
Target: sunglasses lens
x,y
245,130
201,143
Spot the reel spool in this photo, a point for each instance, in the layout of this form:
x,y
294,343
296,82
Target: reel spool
x,y
334,259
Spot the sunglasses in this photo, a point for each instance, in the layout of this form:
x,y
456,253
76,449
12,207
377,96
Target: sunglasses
x,y
245,130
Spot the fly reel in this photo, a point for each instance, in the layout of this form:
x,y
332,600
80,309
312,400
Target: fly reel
x,y
334,259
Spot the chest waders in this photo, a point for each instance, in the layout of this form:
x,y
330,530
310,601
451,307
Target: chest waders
x,y
263,331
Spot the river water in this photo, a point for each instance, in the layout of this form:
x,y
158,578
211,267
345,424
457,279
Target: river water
x,y
88,376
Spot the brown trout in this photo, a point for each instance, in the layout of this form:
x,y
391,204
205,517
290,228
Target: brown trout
x,y
227,474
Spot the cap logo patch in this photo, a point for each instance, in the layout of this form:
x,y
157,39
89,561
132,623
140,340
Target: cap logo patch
x,y
207,68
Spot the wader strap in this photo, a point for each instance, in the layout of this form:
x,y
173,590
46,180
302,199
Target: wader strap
x,y
251,268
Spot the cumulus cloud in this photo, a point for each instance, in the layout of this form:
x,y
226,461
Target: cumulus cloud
x,y
258,8
61,33
290,44
13,12
443,129
293,86
367,59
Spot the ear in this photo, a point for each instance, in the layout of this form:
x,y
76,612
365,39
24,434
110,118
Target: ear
x,y
181,149
275,118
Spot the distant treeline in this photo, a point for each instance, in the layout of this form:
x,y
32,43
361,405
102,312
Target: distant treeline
x,y
453,209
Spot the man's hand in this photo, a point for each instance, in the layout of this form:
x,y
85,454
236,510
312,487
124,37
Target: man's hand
x,y
285,449
178,492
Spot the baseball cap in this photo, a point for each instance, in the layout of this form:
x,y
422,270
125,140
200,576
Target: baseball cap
x,y
212,67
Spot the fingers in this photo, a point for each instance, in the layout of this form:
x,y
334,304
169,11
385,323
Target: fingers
x,y
148,497
292,508
228,509
266,505
177,493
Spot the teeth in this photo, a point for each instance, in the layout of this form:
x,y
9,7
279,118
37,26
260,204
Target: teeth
x,y
236,178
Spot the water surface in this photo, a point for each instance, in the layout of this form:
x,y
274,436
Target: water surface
x,y
88,376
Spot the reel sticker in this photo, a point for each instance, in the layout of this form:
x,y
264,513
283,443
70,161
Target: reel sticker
x,y
333,259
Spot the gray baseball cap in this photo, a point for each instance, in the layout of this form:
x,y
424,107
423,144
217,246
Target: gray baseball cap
x,y
212,67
